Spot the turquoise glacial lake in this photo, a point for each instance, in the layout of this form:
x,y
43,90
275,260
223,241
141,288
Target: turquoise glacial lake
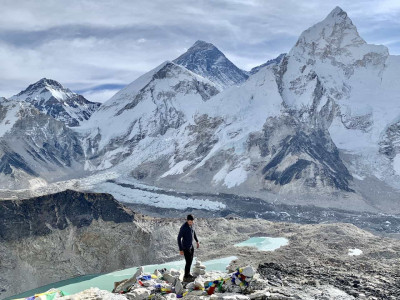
x,y
106,281
264,243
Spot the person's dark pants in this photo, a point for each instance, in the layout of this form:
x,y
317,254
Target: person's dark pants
x,y
189,259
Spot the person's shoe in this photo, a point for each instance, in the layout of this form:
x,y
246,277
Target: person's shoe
x,y
189,278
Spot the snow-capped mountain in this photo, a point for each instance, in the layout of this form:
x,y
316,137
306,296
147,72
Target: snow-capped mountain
x,y
207,61
34,147
149,108
318,125
272,62
239,142
51,98
281,131
209,144
335,77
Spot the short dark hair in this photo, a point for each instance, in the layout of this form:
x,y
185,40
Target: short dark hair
x,y
190,218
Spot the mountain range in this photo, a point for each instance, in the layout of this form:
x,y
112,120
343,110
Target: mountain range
x,y
319,125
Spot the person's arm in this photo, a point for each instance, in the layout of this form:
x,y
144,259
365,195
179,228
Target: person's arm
x,y
195,237
180,235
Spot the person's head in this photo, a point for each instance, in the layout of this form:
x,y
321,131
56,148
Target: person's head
x,y
190,219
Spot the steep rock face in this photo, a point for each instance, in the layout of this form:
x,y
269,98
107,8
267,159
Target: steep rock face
x,y
35,147
51,98
40,216
304,157
390,142
208,61
63,235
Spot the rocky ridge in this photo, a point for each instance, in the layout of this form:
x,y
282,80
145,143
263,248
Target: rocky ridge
x,y
271,62
35,148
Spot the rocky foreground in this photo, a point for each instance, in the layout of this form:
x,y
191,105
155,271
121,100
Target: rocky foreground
x,y
314,265
317,267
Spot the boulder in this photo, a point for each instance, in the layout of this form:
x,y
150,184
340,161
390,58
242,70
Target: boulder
x,y
178,287
190,286
157,273
124,285
248,271
138,294
169,278
198,283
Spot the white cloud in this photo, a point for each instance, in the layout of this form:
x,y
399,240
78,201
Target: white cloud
x,y
94,42
99,96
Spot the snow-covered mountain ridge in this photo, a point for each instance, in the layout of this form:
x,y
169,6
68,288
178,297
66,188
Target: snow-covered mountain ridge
x,y
51,98
34,147
318,124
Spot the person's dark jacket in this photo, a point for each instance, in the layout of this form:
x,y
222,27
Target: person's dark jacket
x,y
185,238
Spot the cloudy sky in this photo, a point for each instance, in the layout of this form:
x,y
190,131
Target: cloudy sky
x,y
96,46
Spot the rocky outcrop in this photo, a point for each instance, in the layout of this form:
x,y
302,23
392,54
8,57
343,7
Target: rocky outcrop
x,y
301,156
39,216
390,141
369,284
67,234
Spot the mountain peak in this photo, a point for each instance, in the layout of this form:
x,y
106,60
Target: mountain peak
x,y
339,16
51,98
200,47
41,84
203,45
336,31
49,82
208,61
337,12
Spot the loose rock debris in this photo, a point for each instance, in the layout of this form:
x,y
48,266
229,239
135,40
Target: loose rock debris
x,y
168,284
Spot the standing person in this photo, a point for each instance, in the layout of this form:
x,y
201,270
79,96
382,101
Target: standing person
x,y
185,243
